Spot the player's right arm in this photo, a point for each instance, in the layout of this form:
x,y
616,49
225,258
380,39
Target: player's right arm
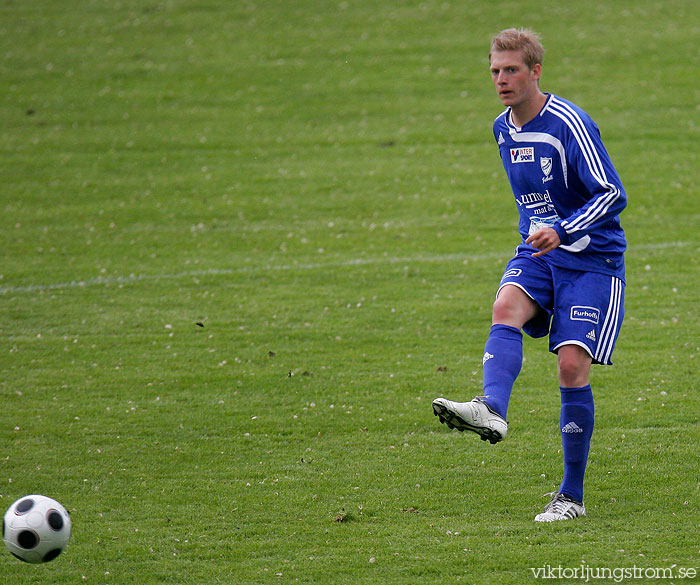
x,y
545,240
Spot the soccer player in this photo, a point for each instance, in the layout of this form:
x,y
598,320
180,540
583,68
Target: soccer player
x,y
567,276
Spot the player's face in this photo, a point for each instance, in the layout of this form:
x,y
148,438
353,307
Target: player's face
x,y
515,82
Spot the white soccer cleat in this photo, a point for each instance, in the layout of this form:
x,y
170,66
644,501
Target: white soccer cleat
x,y
561,507
475,415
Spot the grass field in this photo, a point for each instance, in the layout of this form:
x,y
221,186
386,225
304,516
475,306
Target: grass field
x,y
245,244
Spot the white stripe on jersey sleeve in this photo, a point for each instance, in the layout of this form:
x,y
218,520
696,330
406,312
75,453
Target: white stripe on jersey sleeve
x,y
573,120
595,167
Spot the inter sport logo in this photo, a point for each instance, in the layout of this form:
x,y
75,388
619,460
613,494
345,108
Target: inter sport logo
x,y
526,154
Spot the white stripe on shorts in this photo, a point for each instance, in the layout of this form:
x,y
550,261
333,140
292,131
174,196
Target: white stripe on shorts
x,y
611,324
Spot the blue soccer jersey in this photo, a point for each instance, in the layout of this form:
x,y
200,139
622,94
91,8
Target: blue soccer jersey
x,y
562,177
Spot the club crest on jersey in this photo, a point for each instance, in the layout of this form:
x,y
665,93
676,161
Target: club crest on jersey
x,y
546,166
525,154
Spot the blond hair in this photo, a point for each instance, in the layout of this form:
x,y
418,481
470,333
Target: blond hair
x,y
519,39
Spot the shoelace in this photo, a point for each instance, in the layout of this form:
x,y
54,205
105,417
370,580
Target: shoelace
x,y
558,504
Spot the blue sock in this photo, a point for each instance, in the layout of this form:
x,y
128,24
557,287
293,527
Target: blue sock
x,y
576,425
503,359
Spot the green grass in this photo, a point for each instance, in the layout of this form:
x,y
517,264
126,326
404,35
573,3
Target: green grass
x,y
316,184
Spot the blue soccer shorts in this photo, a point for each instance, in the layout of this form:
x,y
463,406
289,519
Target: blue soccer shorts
x,y
579,308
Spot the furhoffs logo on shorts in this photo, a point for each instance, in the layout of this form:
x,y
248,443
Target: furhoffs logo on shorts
x,y
590,314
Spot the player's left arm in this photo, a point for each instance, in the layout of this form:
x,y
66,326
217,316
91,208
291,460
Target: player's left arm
x,y
589,159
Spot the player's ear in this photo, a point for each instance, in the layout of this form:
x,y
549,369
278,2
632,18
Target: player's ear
x,y
536,71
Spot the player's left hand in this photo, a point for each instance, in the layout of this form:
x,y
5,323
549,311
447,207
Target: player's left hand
x,y
545,240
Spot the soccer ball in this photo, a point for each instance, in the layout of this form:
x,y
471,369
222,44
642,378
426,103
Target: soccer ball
x,y
36,529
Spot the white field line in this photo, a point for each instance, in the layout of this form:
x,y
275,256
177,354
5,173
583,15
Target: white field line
x,y
257,268
134,278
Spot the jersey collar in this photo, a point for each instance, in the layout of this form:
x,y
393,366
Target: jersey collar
x,y
509,115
